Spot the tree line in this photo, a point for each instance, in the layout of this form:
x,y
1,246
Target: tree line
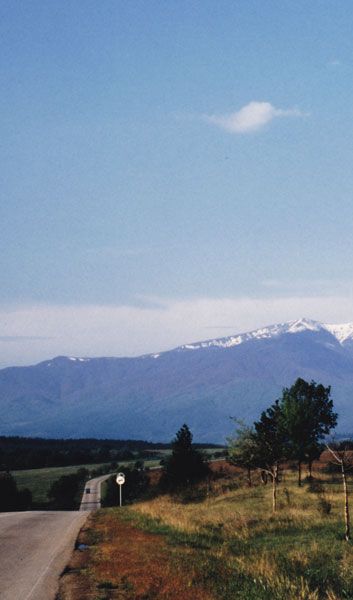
x,y
18,453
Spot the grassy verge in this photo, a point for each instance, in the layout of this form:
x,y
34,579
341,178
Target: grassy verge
x,y
230,546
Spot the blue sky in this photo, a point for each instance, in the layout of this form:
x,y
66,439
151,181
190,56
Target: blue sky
x,y
171,171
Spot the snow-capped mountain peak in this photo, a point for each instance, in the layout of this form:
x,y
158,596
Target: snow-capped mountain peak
x,y
342,333
302,325
202,382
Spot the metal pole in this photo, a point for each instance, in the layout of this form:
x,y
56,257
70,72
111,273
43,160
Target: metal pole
x,y
120,479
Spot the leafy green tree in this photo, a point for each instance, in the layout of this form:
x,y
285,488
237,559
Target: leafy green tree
x,y
185,466
10,497
270,445
243,450
64,492
306,416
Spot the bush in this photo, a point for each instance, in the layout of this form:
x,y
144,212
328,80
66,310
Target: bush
x,y
136,485
185,467
11,498
64,492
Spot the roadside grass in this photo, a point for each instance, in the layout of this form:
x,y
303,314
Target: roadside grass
x,y
231,546
131,563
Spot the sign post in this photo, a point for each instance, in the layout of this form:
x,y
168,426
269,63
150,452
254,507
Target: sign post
x,y
120,479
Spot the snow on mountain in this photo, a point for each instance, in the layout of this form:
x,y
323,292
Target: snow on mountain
x,y
341,332
203,384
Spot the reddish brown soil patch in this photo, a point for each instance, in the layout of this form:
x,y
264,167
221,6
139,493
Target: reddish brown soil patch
x,y
217,466
223,467
140,564
126,564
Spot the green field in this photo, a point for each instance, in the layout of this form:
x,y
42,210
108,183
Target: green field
x,y
38,481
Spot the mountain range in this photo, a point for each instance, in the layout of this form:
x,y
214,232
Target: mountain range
x,y
203,384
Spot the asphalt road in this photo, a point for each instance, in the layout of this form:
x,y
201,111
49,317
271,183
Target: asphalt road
x,y
91,499
35,547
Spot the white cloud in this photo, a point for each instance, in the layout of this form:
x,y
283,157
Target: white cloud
x,y
130,330
251,117
334,63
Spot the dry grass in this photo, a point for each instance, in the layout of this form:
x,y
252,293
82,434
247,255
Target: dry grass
x,y
238,509
300,533
228,547
137,564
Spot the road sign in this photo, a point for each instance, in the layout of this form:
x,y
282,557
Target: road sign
x,y
120,478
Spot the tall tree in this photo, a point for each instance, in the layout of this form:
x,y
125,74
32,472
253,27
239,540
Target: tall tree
x,y
185,466
243,450
306,416
271,445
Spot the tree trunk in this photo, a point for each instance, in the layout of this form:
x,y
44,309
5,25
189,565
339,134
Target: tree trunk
x,y
249,477
310,466
346,506
274,488
263,475
340,458
299,473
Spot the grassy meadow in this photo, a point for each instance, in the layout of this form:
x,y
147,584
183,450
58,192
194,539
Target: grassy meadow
x,y
229,545
38,481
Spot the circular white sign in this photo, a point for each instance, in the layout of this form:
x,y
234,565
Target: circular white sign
x,y
120,478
